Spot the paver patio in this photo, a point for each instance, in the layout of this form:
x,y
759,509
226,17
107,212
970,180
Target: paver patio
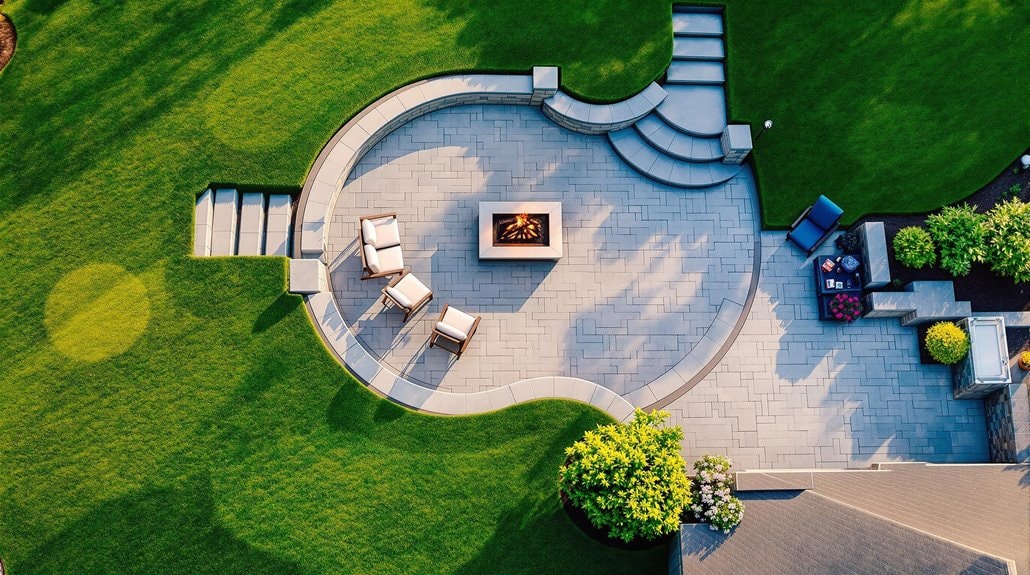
x,y
645,270
795,392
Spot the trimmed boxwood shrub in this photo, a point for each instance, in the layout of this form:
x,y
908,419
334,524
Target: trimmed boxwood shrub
x,y
629,479
959,235
913,247
1008,239
947,342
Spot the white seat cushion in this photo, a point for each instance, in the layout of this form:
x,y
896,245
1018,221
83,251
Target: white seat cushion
x,y
387,234
399,297
412,288
371,258
368,232
390,259
451,331
458,320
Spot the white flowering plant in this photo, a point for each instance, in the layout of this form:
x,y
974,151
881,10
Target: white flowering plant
x,y
713,501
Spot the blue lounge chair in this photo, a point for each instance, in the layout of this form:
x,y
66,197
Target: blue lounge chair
x,y
815,225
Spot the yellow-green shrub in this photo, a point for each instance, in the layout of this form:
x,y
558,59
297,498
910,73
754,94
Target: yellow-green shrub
x,y
947,342
629,479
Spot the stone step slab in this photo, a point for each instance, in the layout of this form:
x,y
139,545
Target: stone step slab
x,y
202,226
696,72
697,48
641,156
698,110
224,222
279,225
676,143
696,24
252,225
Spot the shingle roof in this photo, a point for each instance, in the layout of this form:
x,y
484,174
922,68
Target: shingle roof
x,y
906,518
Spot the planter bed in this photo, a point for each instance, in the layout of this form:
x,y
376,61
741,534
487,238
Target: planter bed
x,y
985,290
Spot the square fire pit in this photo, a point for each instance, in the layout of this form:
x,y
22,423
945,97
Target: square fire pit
x,y
520,231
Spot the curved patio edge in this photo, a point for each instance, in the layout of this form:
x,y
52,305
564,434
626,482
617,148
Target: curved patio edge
x,y
587,118
346,348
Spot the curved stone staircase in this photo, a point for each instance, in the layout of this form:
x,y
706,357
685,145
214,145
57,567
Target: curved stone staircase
x,y
679,142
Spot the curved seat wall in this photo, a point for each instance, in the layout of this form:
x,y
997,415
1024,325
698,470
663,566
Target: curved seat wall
x,y
587,118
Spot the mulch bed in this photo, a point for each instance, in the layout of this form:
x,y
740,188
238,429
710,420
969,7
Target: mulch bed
x,y
579,518
984,289
8,38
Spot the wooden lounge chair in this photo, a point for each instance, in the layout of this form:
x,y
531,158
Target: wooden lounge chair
x,y
453,330
406,292
815,224
379,245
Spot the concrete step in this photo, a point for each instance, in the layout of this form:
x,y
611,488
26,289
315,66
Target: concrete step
x,y
643,157
678,144
252,225
696,24
278,228
224,222
697,48
202,223
696,72
695,109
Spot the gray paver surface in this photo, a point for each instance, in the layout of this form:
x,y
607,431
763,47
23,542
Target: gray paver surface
x,y
645,268
794,392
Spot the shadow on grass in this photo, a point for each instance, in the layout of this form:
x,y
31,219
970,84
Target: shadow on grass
x,y
276,311
609,65
153,532
164,59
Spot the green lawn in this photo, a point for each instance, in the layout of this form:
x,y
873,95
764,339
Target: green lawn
x,y
163,414
885,107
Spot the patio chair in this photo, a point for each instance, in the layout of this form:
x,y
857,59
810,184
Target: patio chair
x,y
454,330
815,225
406,292
379,239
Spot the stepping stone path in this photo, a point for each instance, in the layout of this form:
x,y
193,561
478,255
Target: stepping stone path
x,y
679,142
252,224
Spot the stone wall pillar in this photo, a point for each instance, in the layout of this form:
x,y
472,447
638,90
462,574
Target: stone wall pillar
x,y
736,143
545,83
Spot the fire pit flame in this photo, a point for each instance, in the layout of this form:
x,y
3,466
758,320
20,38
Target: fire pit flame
x,y
525,227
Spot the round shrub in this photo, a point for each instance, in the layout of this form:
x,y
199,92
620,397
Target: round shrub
x,y
1008,239
712,500
947,342
913,247
959,234
629,479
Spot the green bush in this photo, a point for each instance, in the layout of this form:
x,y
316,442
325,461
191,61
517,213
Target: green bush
x,y
1008,239
913,247
959,235
947,342
629,479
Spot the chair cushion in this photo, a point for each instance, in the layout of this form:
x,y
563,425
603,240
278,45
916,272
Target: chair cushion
x,y
368,232
451,331
458,319
390,259
806,235
387,233
825,213
411,288
371,258
399,297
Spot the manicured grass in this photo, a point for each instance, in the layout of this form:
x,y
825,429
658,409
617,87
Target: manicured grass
x,y
885,107
170,415
197,425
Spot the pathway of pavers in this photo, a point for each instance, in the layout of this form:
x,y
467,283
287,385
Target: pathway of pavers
x,y
794,392
645,272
